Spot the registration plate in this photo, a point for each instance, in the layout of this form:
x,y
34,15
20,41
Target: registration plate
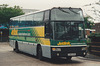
x,y
71,54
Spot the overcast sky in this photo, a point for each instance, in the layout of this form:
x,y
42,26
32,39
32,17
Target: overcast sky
x,y
43,4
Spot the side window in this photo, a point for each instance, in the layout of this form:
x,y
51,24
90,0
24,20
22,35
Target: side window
x,y
29,20
46,16
38,19
38,16
22,21
14,23
47,24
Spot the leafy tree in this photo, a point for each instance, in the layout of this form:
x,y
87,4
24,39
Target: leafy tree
x,y
7,12
88,24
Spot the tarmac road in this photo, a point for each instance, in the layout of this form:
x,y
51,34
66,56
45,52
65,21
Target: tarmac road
x,y
10,58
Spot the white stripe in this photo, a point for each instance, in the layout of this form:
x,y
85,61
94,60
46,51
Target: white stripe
x,y
11,40
56,46
31,43
25,42
20,41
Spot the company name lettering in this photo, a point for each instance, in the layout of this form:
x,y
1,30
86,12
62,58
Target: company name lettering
x,y
64,43
27,34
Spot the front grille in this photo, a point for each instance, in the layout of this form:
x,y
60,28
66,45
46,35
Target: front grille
x,y
71,49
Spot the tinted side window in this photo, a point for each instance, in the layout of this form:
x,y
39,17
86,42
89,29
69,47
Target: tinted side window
x,y
38,19
22,22
29,20
46,16
14,23
38,16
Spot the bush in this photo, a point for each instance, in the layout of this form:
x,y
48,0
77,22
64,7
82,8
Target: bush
x,y
95,37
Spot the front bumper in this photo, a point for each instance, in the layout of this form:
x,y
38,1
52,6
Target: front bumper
x,y
68,51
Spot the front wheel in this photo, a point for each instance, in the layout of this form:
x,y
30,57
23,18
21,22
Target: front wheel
x,y
69,58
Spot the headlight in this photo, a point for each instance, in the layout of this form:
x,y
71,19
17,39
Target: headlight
x,y
84,48
56,49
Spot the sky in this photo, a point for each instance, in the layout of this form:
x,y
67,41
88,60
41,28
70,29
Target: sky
x,y
46,4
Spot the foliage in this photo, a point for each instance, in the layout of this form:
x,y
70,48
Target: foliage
x,y
92,35
88,24
7,12
95,37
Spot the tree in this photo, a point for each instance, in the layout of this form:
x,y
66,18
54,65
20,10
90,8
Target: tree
x,y
7,12
88,24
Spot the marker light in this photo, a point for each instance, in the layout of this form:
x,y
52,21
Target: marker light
x,y
56,49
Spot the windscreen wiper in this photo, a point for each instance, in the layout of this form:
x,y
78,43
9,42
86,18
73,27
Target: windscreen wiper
x,y
63,10
72,10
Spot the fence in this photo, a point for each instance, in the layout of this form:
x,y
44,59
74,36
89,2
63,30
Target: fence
x,y
4,39
94,48
4,33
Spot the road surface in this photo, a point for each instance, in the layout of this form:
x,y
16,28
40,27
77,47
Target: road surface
x,y
10,58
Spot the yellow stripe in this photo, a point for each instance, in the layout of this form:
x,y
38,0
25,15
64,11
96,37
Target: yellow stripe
x,y
45,41
40,32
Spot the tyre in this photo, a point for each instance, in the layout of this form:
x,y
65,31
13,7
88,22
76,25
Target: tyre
x,y
85,54
39,53
16,47
69,58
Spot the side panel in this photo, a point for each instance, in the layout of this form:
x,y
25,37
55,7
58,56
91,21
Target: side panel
x,y
33,35
12,44
32,48
28,38
37,31
21,46
46,51
27,47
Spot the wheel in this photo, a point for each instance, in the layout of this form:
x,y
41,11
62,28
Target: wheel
x,y
69,58
39,53
85,54
16,47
